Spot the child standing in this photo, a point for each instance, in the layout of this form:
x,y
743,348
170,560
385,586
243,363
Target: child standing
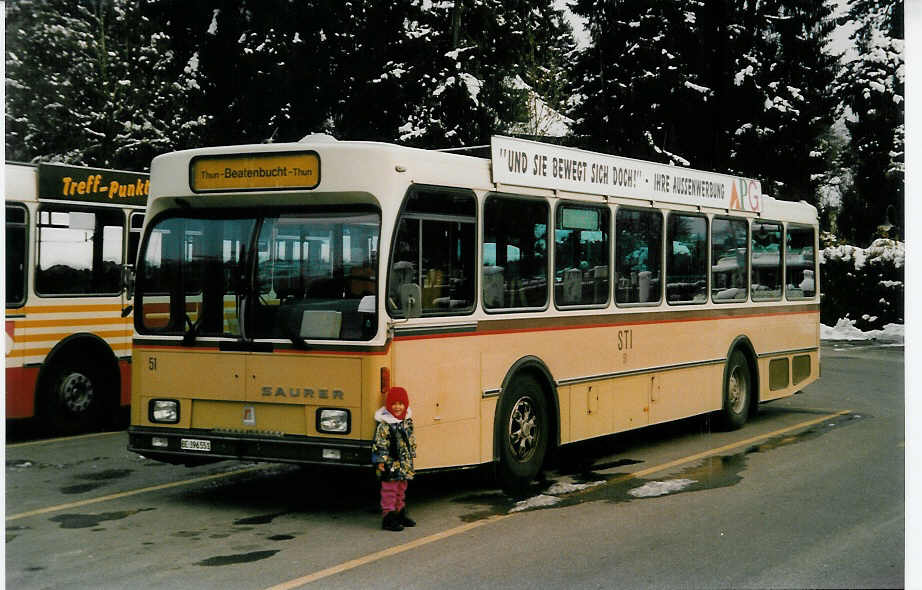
x,y
393,452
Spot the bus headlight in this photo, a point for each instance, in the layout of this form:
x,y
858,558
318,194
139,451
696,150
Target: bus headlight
x,y
333,421
164,411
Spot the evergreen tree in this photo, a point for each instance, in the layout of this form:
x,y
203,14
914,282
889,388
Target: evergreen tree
x,y
871,91
377,46
116,100
467,75
738,87
635,83
785,79
266,67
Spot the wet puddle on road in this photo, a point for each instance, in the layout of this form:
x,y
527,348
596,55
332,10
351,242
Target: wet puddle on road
x,y
263,519
85,521
96,480
592,485
238,558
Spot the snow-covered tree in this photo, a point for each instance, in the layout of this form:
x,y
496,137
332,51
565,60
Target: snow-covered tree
x,y
730,86
94,83
784,78
468,75
266,66
871,91
636,83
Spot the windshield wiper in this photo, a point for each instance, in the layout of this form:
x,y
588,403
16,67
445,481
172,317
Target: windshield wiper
x,y
189,336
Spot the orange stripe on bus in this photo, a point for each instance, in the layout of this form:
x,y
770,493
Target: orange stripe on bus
x,y
71,308
72,322
61,335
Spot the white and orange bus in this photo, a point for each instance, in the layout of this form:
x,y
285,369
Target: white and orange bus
x,y
541,297
69,233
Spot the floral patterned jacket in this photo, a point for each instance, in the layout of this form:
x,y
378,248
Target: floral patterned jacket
x,y
395,446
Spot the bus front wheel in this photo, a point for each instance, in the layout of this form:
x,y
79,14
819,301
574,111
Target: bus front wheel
x,y
524,434
73,399
737,394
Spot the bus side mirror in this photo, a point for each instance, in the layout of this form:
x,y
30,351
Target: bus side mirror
x,y
411,300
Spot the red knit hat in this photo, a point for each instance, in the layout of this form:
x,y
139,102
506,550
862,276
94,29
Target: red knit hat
x,y
397,394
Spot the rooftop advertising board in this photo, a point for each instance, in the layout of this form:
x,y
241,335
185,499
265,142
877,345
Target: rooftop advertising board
x,y
521,162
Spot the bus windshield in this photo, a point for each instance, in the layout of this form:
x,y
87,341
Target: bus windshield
x,y
302,275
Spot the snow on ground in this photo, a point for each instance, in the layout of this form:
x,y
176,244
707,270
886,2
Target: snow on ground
x,y
538,501
661,488
845,330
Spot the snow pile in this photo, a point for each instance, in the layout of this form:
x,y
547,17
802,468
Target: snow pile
x,y
845,330
661,488
539,501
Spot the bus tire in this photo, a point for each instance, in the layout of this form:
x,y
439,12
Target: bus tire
x,y
523,434
737,392
74,398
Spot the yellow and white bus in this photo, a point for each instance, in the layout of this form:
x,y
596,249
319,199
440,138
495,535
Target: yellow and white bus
x,y
69,233
541,297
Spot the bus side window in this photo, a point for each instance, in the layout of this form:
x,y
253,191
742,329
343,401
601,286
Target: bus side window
x,y
515,253
800,263
766,261
435,249
80,251
581,255
729,260
686,259
16,252
638,260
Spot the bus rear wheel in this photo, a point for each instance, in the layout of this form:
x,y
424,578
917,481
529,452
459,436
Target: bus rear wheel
x,y
737,394
73,399
524,435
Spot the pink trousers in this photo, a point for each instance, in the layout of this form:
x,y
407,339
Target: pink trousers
x,y
393,494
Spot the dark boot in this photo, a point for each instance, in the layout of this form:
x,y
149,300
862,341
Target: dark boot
x,y
391,522
404,518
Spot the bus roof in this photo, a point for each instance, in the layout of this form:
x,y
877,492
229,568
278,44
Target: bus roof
x,y
320,164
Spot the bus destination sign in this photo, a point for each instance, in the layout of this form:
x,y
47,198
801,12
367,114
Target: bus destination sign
x,y
528,163
255,172
92,185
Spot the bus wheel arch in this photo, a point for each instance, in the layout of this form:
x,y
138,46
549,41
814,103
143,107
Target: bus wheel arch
x,y
741,378
526,424
79,385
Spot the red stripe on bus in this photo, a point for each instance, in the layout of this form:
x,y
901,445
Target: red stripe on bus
x,y
20,391
124,369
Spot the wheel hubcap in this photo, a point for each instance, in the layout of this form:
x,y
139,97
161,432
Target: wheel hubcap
x,y
76,392
736,390
523,429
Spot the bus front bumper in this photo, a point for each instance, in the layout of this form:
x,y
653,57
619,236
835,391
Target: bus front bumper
x,y
204,446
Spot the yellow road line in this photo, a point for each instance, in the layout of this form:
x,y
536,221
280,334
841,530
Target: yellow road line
x,y
714,451
397,549
61,439
348,565
163,486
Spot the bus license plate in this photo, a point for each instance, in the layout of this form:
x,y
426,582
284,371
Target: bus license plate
x,y
194,444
